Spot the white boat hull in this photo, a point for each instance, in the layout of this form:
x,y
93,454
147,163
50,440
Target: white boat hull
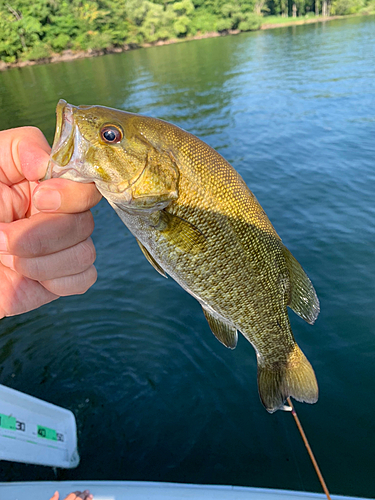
x,y
130,490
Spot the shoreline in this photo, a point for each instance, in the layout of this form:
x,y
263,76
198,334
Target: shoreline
x,y
70,55
309,20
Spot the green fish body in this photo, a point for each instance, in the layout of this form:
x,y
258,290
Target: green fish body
x,y
197,221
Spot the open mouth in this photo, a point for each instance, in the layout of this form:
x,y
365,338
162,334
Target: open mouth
x,y
64,120
63,142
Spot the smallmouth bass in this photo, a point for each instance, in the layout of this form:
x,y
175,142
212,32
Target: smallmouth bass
x,y
195,220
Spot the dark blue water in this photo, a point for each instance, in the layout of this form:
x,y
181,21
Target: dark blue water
x,y
155,395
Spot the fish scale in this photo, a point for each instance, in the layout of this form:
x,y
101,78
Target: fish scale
x,y
197,221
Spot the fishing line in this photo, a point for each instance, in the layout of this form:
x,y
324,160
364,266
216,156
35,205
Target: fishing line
x,y
309,450
293,453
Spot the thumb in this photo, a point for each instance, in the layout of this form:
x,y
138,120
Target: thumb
x,y
34,152
24,154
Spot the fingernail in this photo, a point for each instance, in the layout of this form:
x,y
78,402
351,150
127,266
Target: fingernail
x,y
8,261
47,199
3,242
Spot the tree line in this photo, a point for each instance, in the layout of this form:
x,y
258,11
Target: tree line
x,y
35,29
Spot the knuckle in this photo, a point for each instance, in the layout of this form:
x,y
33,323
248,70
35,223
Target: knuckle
x,y
84,223
76,199
33,130
87,279
87,252
92,276
92,197
28,267
31,244
76,284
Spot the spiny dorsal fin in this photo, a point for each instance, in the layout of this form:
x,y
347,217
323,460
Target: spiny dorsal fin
x,y
224,332
303,298
151,259
294,378
180,232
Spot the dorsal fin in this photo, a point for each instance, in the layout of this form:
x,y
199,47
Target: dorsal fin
x,y
223,331
151,259
303,298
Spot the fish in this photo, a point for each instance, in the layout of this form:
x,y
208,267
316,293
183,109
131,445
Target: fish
x,y
196,221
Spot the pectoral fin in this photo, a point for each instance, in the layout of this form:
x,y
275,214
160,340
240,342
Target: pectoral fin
x,y
180,232
303,298
151,259
223,331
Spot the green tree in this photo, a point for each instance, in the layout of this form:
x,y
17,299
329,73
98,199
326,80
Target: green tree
x,y
21,27
343,7
35,29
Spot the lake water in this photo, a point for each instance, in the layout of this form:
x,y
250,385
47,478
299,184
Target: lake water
x,y
155,395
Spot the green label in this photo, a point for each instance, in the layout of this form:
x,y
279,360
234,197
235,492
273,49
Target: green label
x,y
46,433
7,422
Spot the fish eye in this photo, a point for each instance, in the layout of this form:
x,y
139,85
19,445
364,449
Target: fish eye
x,y
111,134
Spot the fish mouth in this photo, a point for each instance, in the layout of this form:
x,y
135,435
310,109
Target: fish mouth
x,y
69,153
62,105
60,163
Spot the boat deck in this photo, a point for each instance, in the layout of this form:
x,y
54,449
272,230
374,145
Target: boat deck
x,y
129,490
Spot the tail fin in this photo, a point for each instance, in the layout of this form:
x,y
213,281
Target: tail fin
x,y
295,378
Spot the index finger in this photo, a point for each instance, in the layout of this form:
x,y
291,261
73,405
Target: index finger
x,y
24,154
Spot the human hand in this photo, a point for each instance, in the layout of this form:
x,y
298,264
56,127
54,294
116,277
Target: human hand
x,y
45,245
84,495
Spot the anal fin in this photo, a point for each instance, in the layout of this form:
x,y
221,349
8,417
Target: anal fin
x,y
303,299
224,332
151,259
